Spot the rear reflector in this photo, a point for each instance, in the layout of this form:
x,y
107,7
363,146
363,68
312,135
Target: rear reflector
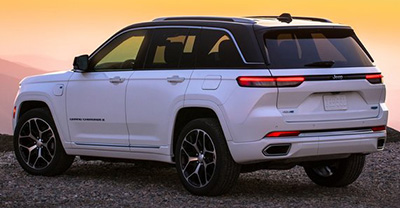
x,y
269,81
378,128
14,111
374,78
283,133
297,133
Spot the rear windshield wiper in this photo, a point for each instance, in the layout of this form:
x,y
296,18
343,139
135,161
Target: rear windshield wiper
x,y
325,64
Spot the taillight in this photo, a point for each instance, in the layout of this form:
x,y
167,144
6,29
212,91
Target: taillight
x,y
269,81
256,81
378,128
289,81
14,111
374,78
283,133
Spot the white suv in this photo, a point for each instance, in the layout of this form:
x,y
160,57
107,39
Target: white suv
x,y
214,95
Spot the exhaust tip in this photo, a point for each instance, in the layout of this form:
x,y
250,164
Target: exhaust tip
x,y
277,149
381,143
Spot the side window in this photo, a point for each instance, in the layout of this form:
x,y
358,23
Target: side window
x,y
190,49
217,50
166,48
122,53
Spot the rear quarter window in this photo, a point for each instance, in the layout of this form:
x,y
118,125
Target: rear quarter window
x,y
217,50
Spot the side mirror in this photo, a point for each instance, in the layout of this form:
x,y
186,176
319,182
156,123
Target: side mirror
x,y
81,63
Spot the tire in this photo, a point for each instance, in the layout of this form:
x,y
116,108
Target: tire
x,y
338,173
37,145
203,161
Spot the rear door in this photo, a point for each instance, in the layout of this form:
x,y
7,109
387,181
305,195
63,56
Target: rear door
x,y
156,92
340,81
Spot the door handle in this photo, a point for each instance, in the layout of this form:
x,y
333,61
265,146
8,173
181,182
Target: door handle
x,y
117,79
175,79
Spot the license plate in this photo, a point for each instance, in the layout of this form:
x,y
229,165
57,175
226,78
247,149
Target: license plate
x,y
335,102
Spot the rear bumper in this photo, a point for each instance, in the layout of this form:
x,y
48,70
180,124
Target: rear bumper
x,y
252,152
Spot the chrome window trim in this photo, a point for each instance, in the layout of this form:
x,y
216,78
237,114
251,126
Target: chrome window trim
x,y
184,27
234,41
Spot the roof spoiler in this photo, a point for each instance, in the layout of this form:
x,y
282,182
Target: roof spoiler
x,y
287,17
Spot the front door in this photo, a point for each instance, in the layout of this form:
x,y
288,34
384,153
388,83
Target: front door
x,y
96,99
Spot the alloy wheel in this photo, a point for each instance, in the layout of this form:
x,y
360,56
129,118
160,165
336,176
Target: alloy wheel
x,y
324,171
198,158
37,143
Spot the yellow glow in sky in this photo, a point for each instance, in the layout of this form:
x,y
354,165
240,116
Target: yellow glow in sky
x,y
63,29
60,29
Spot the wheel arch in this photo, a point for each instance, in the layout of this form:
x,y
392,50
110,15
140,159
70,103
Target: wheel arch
x,y
27,105
194,111
27,101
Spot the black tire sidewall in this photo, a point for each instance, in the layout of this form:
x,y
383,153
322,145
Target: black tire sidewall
x,y
347,172
212,128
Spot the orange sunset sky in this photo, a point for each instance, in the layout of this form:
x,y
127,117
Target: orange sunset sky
x,y
33,31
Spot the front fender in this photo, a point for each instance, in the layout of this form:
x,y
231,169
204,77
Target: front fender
x,y
56,105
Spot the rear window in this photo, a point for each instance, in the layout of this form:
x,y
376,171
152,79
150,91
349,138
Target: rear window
x,y
307,48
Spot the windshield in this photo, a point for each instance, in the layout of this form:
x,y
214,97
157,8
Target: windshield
x,y
314,48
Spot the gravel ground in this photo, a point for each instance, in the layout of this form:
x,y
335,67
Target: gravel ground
x,y
102,184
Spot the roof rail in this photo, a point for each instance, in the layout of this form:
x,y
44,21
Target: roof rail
x,y
285,18
207,18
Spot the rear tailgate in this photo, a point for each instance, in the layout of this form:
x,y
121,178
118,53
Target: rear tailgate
x,y
330,95
336,69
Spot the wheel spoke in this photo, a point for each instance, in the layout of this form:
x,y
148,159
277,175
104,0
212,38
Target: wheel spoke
x,y
210,163
195,143
23,146
200,181
40,152
44,131
190,159
327,170
40,132
194,172
43,158
30,128
46,145
205,174
34,164
25,137
324,171
187,154
197,137
32,137
37,128
32,148
204,143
